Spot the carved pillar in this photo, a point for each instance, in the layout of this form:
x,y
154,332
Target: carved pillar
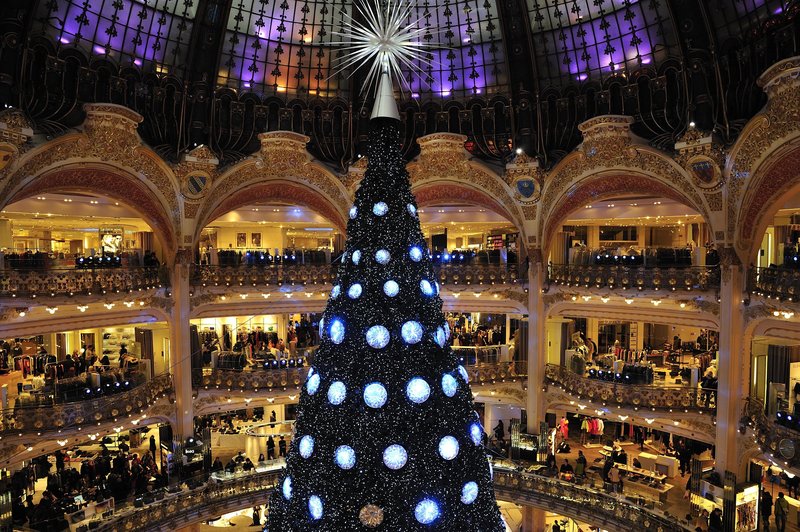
x,y
533,519
731,361
537,341
181,346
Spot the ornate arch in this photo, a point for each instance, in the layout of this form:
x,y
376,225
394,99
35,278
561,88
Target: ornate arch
x,y
283,170
765,151
444,172
611,161
115,183
107,158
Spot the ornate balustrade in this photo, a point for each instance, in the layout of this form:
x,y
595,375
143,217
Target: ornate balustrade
x,y
216,498
305,274
63,416
74,281
270,379
781,442
581,502
212,500
782,284
630,395
634,278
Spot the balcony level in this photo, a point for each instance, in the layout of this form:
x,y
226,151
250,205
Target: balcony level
x,y
611,278
216,497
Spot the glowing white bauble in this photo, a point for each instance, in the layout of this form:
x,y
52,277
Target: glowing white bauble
x,y
315,507
476,433
353,212
415,253
355,291
417,390
449,385
337,391
335,291
427,511
380,208
426,287
446,330
375,395
313,384
356,257
391,288
378,336
345,457
448,447
395,457
382,256
411,209
286,488
463,373
469,492
337,331
440,337
412,332
322,327
306,446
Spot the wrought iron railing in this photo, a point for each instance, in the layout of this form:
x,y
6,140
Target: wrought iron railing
x,y
200,504
782,284
782,443
216,498
636,396
270,379
582,502
74,281
306,274
698,278
62,416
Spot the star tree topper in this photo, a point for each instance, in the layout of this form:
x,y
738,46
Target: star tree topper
x,y
389,42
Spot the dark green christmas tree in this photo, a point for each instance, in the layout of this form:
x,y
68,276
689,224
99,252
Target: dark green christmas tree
x,y
386,437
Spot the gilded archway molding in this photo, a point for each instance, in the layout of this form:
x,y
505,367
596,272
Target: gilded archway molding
x,y
108,145
445,172
610,161
285,167
760,162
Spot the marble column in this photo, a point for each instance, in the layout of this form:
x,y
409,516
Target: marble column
x,y
537,343
180,344
731,362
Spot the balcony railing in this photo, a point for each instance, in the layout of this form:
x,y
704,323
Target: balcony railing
x,y
74,281
698,278
782,284
216,498
781,442
62,416
582,502
196,505
633,396
306,274
270,379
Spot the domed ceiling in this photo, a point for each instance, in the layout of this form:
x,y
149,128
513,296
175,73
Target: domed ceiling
x,y
506,74
289,46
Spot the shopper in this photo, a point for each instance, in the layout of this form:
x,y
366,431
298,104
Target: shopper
x,y
701,522
282,446
715,521
256,515
766,509
781,512
217,465
580,465
270,448
153,446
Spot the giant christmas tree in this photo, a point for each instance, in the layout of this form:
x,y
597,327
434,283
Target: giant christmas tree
x,y
386,437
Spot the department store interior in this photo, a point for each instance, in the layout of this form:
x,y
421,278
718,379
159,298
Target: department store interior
x,y
607,191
